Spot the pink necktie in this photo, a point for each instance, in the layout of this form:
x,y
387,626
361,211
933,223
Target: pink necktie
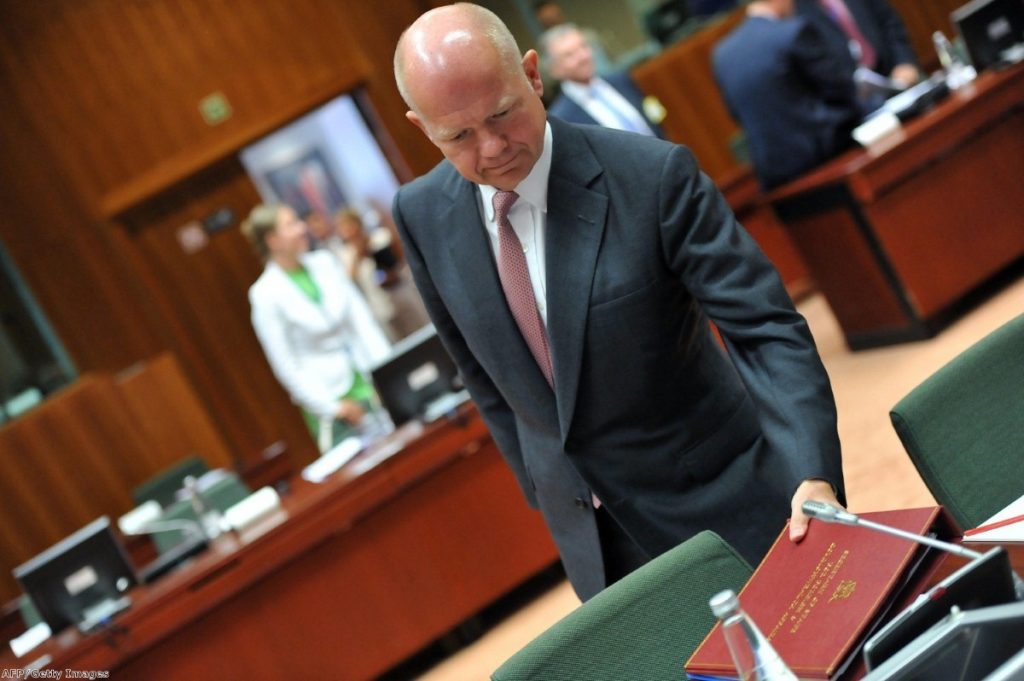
x,y
840,13
515,280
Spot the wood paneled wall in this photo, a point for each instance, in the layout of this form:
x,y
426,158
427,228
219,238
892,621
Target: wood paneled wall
x,y
79,455
110,158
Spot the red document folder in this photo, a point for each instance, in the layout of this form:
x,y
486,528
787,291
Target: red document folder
x,y
819,600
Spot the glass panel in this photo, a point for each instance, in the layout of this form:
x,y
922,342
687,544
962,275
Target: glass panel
x,y
33,363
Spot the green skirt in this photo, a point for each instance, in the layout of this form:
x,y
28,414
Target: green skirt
x,y
362,392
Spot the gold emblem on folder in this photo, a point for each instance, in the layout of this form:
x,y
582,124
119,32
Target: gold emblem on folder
x,y
843,590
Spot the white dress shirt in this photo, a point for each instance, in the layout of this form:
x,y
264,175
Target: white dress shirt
x,y
598,99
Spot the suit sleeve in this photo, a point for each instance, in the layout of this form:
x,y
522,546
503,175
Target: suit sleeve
x,y
767,339
894,32
492,406
826,69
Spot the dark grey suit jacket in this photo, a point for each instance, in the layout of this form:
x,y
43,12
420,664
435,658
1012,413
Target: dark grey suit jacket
x,y
880,24
568,110
647,410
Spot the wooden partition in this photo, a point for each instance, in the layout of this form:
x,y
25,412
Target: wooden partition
x,y
681,77
79,455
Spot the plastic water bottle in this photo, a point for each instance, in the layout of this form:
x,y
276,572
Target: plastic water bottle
x,y
752,653
958,72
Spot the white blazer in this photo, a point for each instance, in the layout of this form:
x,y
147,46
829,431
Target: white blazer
x,y
312,347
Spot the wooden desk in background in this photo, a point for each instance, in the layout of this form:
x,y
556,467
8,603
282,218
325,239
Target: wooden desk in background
x,y
362,571
896,236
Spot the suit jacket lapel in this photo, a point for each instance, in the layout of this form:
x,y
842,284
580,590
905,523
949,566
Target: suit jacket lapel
x,y
575,226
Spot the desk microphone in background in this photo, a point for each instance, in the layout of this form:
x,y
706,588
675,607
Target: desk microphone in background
x,y
195,542
819,510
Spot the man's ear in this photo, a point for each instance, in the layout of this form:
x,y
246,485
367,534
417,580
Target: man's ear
x,y
530,68
417,121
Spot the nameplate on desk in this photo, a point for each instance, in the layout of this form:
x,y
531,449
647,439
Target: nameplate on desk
x,y
333,459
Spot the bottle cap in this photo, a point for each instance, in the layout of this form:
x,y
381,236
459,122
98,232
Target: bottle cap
x,y
724,603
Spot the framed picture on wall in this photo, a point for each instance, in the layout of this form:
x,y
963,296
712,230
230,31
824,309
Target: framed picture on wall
x,y
307,184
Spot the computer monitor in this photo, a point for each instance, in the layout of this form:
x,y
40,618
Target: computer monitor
x,y
79,580
988,27
983,582
969,644
416,373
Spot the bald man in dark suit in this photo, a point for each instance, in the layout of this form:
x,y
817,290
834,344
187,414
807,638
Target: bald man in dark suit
x,y
571,270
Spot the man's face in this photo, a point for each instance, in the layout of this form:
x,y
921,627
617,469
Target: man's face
x,y
572,58
487,119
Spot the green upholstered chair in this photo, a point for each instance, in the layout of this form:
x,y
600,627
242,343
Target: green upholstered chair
x,y
163,486
964,427
221,495
643,628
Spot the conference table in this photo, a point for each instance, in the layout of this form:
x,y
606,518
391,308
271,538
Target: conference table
x,y
903,235
349,578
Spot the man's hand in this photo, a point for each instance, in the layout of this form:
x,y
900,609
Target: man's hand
x,y
817,490
905,74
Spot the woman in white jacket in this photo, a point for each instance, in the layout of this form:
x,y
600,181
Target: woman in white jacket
x,y
315,327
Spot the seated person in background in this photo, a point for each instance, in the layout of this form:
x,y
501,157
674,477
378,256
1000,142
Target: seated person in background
x,y
315,328
320,231
612,102
871,30
789,89
549,14
383,278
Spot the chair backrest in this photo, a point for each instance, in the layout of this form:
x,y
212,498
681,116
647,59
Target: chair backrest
x,y
221,495
643,627
964,427
162,486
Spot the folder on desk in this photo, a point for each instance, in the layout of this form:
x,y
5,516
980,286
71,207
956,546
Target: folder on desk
x,y
818,601
1005,526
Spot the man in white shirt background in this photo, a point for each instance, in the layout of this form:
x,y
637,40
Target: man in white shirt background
x,y
613,101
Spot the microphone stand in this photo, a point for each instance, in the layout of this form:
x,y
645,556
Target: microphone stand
x,y
819,510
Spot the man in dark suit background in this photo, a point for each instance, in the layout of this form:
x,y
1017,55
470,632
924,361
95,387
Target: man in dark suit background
x,y
570,271
790,90
613,101
852,23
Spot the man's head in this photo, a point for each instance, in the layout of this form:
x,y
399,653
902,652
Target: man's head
x,y
780,9
318,226
549,14
567,54
459,70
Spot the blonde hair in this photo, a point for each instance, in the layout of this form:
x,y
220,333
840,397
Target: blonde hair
x,y
262,221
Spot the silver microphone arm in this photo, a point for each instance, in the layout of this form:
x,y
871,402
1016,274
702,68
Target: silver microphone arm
x,y
828,513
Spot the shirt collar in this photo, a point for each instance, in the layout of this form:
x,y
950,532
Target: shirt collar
x,y
534,187
580,92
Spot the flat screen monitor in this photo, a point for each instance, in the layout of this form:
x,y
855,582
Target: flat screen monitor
x,y
965,645
416,373
78,578
988,27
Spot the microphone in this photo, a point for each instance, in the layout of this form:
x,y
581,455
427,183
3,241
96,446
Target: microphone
x,y
828,513
819,510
